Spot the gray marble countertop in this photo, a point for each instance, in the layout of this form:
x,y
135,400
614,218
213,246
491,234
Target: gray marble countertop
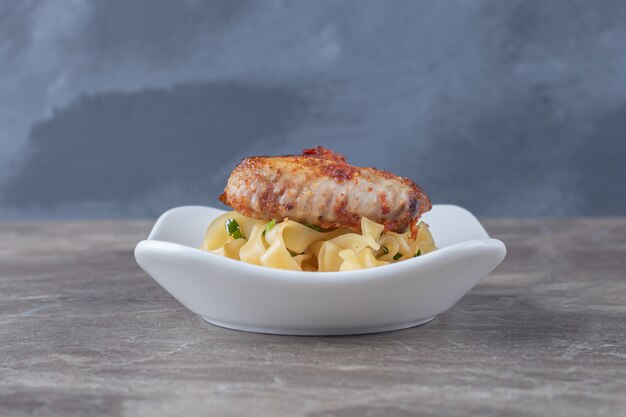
x,y
83,331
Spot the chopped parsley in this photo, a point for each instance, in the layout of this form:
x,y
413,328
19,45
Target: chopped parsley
x,y
397,256
418,253
233,229
269,226
314,227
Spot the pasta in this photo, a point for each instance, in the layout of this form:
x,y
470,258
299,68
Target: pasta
x,y
294,246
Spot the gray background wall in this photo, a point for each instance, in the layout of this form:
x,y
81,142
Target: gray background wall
x,y
127,108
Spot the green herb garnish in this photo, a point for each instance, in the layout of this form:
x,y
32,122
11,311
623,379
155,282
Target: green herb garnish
x,y
397,256
269,226
418,253
314,227
384,249
233,229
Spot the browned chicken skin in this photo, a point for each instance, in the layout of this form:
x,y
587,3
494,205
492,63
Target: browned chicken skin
x,y
320,188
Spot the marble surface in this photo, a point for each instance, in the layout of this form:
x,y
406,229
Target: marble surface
x,y
83,331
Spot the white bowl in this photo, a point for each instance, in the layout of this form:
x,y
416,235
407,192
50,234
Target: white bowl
x,y
242,296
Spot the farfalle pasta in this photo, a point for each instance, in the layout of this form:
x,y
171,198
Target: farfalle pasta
x,y
294,246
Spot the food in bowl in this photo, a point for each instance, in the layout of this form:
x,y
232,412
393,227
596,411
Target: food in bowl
x,y
316,212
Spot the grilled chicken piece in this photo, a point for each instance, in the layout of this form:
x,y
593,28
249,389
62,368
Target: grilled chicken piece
x,y
320,188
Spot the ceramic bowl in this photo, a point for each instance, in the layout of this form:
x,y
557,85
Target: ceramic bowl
x,y
241,296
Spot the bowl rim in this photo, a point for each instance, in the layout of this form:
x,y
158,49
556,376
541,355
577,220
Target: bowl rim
x,y
461,249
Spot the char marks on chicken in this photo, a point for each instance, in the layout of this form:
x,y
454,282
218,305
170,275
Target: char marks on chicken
x,y
320,188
